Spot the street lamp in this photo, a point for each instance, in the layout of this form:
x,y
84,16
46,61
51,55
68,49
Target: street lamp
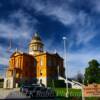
x,y
83,89
65,60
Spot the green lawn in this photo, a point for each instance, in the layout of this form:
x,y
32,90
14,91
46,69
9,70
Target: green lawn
x,y
72,92
75,92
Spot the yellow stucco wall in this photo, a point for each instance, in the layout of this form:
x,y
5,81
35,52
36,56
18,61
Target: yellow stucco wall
x,y
44,65
22,64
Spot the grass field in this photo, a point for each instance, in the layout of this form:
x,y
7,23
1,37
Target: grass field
x,y
71,92
74,94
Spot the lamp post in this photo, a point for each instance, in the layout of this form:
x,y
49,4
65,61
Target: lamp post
x,y
65,60
83,89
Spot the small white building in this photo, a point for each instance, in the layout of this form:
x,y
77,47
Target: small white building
x,y
73,84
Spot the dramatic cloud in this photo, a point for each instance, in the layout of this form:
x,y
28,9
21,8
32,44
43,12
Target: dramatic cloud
x,y
57,11
82,59
81,22
14,33
19,25
96,6
78,20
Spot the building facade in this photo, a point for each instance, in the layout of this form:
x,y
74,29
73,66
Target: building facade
x,y
35,65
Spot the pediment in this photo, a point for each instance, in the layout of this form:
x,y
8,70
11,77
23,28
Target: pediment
x,y
15,54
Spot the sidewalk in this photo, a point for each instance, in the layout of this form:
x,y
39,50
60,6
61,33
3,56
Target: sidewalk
x,y
11,93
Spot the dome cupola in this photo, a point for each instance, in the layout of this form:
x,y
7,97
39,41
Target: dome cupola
x,y
36,45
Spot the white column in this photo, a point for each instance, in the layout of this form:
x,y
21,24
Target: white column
x,y
83,90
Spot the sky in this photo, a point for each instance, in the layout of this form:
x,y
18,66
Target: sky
x,y
78,20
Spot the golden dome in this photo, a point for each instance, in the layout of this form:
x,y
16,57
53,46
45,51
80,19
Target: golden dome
x,y
36,45
36,39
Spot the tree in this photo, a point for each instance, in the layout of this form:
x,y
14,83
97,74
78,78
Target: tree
x,y
79,77
92,72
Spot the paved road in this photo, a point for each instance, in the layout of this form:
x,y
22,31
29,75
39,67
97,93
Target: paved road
x,y
15,94
11,93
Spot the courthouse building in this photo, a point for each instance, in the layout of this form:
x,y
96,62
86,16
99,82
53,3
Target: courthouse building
x,y
36,65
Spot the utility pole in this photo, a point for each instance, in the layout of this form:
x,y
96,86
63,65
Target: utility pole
x,y
65,60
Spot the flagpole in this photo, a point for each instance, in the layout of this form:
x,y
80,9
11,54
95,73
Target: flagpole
x,y
65,60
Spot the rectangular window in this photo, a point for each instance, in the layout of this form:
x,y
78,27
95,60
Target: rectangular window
x,y
41,62
16,63
34,63
49,62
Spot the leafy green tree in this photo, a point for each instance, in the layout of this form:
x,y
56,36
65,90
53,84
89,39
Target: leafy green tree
x,y
79,77
92,72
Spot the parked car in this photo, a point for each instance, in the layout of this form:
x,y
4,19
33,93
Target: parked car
x,y
50,92
35,92
27,88
31,88
42,92
23,88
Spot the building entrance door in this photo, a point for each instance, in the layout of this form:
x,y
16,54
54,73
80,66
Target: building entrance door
x,y
8,83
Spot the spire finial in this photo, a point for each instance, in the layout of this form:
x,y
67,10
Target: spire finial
x,y
36,34
55,51
16,49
